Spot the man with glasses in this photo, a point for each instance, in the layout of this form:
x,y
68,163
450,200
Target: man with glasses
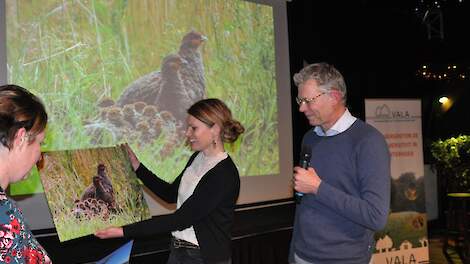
x,y
347,184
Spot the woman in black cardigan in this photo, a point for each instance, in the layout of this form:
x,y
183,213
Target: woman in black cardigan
x,y
205,192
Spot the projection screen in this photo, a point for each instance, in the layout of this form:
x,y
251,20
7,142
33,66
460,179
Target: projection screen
x,y
87,59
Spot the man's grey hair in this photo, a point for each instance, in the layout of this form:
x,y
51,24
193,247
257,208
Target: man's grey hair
x,y
327,76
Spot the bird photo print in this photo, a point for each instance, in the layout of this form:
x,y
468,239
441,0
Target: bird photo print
x,y
119,71
90,189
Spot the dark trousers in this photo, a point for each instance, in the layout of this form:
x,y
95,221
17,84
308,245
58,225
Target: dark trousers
x,y
188,256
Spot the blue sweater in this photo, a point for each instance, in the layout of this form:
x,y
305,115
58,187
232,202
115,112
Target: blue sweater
x,y
337,224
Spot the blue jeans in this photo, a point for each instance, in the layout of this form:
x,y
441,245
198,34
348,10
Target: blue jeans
x,y
188,256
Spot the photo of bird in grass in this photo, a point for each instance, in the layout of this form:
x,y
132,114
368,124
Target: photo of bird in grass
x,y
89,189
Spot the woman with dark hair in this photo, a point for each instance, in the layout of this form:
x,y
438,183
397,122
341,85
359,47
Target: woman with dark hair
x,y
23,120
205,192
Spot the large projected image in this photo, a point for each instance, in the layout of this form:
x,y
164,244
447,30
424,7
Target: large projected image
x,y
126,71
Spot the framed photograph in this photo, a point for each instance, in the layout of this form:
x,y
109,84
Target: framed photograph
x,y
90,189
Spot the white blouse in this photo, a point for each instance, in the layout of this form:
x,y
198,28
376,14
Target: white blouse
x,y
191,177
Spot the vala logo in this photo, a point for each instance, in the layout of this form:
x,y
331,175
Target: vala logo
x,y
400,114
384,112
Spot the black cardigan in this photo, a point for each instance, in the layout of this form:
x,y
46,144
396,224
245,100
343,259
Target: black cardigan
x,y
209,209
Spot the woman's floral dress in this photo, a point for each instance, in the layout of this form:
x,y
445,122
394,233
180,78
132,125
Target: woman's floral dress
x,y
17,243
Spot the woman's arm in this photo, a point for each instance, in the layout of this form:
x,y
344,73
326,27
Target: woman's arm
x,y
218,187
167,191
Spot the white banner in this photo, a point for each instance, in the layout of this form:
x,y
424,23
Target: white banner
x,y
404,239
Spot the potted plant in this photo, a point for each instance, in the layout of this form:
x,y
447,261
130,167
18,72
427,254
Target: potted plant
x,y
453,162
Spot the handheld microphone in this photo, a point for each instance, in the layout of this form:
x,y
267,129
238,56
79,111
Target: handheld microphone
x,y
304,163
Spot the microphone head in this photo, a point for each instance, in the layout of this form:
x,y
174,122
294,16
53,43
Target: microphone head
x,y
306,152
305,155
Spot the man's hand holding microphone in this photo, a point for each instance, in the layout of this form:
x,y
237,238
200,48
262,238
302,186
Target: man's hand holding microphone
x,y
305,179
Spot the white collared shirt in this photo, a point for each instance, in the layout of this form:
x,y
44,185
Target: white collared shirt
x,y
343,123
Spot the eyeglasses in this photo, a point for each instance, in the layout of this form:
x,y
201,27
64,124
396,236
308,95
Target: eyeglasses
x,y
301,101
